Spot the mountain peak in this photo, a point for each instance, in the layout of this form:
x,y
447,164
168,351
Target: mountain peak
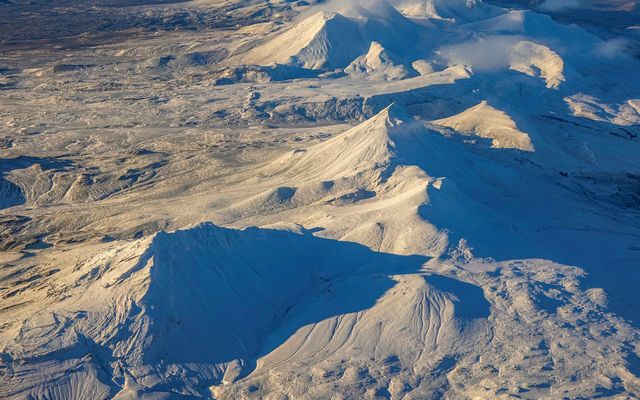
x,y
322,40
366,148
377,64
488,122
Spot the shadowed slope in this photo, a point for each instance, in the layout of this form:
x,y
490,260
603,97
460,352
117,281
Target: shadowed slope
x,y
207,301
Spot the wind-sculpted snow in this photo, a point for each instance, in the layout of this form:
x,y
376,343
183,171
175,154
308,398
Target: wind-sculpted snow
x,y
364,199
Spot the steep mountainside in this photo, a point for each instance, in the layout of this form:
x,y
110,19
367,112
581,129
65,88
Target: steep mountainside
x,y
366,199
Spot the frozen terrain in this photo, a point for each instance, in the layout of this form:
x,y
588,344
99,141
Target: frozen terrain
x,y
368,199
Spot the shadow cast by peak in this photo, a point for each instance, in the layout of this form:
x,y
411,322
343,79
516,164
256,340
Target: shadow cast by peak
x,y
511,205
11,194
469,299
216,294
20,162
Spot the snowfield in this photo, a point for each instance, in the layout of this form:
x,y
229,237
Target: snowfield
x,y
367,199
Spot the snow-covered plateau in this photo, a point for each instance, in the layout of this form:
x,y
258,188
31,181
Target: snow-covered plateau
x,y
307,199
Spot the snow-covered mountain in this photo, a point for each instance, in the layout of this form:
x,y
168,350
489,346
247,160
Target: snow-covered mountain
x,y
239,199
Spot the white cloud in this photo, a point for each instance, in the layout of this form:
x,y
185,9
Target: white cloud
x,y
612,48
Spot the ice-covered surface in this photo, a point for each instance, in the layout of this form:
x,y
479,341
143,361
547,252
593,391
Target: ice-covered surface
x,y
413,199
